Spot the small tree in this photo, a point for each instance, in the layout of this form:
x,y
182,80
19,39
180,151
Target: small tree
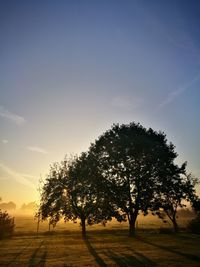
x,y
196,205
174,190
194,225
6,224
88,198
72,191
52,194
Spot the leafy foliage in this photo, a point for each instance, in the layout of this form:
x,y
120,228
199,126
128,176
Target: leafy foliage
x,y
72,191
194,225
131,158
128,170
196,205
175,188
53,194
6,224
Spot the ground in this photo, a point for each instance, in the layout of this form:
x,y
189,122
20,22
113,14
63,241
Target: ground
x,y
101,248
104,246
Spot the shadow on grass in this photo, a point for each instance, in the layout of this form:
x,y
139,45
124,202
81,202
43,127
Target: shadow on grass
x,y
124,260
169,249
18,255
93,252
36,260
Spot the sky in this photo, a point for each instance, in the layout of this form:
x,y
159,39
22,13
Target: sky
x,y
70,69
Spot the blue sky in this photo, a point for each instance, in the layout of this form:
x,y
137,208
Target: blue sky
x,y
70,69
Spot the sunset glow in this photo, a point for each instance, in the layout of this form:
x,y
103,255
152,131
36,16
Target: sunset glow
x,y
70,69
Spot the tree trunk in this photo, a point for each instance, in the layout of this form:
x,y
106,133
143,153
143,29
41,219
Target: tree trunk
x,y
175,225
171,213
132,221
83,227
38,224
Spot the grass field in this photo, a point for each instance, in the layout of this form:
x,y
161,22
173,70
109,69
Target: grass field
x,y
101,248
108,246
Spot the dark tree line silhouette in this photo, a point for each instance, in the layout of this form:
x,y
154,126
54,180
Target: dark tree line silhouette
x,y
128,170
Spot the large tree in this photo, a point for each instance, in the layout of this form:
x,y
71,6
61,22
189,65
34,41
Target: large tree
x,y
131,158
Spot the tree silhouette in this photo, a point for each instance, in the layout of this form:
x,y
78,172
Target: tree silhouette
x,y
53,193
173,191
128,170
87,192
196,205
6,224
194,225
72,191
131,159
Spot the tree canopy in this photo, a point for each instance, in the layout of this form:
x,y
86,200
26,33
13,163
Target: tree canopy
x,y
128,170
72,190
139,163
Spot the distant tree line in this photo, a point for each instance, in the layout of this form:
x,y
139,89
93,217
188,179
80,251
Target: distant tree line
x,y
7,224
11,206
128,170
7,206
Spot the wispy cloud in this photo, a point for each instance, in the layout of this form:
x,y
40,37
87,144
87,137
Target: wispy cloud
x,y
37,149
14,174
178,92
4,141
126,103
4,113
